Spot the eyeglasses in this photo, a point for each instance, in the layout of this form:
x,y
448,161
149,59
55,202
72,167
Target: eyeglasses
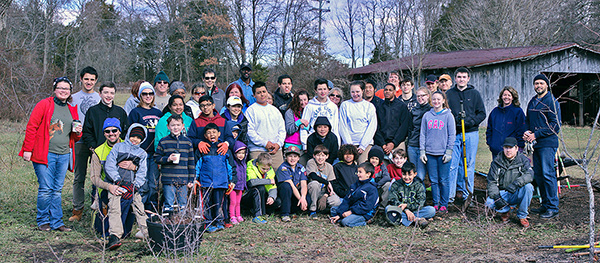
x,y
422,95
204,105
162,82
199,93
62,88
210,78
107,131
336,96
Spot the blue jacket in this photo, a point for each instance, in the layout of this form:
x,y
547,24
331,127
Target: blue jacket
x,y
214,170
543,119
171,173
505,122
285,172
362,199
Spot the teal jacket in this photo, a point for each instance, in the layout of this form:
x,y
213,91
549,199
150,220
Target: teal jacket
x,y
161,128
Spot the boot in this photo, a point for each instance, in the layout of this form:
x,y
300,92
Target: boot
x,y
76,215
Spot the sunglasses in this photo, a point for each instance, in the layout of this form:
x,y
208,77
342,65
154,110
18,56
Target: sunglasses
x,y
107,131
199,93
210,78
336,96
162,82
147,93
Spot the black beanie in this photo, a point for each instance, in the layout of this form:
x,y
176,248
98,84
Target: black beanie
x,y
377,151
138,132
542,77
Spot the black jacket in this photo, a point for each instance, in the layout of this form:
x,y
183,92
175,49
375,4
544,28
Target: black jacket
x,y
93,134
473,106
415,131
281,101
508,175
345,176
393,122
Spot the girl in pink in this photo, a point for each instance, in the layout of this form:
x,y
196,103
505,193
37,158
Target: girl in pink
x,y
294,121
239,149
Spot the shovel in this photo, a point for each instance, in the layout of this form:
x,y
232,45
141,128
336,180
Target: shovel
x,y
464,150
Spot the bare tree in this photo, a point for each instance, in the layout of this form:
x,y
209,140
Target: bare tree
x,y
346,23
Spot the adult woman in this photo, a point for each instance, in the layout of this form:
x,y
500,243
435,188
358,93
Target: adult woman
x,y
198,90
234,89
293,119
133,99
175,106
506,120
234,113
336,95
358,121
50,137
423,105
147,115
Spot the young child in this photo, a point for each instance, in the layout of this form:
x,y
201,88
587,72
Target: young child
x,y
235,197
381,175
261,185
129,181
438,133
359,205
323,136
291,184
321,174
395,168
175,154
345,174
407,200
214,172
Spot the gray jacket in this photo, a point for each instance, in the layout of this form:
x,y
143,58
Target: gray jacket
x,y
509,175
127,151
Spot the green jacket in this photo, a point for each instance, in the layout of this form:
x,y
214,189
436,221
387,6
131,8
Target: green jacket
x,y
412,195
509,175
254,178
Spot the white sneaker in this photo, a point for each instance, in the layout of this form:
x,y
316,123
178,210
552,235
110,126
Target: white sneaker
x,y
139,235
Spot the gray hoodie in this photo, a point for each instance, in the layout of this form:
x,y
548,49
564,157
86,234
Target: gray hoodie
x,y
127,151
438,132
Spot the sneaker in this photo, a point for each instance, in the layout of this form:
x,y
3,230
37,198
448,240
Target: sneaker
x,y
505,217
443,210
313,215
113,242
422,222
227,225
436,207
240,219
524,222
211,229
549,215
63,228
259,220
540,210
234,220
322,203
139,235
286,219
45,227
221,227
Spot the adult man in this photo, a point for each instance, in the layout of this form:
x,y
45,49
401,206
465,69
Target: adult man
x,y
543,125
218,95
466,104
369,94
266,128
161,86
283,94
408,97
393,78
246,82
509,182
208,115
84,100
318,106
394,119
444,82
431,83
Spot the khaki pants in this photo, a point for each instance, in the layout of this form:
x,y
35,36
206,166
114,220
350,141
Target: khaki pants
x,y
315,190
385,193
115,226
365,155
277,157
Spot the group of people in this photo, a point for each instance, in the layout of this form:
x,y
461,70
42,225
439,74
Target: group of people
x,y
244,146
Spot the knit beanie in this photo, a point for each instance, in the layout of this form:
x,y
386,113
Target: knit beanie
x,y
542,77
111,122
143,86
138,132
376,151
161,76
175,86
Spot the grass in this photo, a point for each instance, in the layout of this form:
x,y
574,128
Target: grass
x,y
451,238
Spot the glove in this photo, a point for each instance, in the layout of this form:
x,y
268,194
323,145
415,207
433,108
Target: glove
x,y
129,187
500,203
203,147
423,156
223,147
229,188
512,188
447,156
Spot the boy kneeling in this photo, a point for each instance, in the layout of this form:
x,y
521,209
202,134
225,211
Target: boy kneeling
x,y
407,200
359,205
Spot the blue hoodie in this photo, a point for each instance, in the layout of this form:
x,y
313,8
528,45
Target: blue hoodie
x,y
124,151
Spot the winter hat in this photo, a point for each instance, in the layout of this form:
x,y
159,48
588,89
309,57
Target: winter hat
x,y
161,76
322,120
137,132
236,127
542,77
61,79
234,100
377,151
111,122
175,86
143,86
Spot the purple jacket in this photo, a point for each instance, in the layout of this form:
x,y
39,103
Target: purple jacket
x,y
240,166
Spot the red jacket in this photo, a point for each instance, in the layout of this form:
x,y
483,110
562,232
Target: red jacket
x,y
395,172
37,138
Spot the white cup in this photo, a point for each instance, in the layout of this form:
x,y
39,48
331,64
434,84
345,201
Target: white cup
x,y
177,156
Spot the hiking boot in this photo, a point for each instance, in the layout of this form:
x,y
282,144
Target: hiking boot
x,y
259,220
422,222
505,217
322,203
45,227
436,207
76,215
313,215
285,219
113,242
63,228
524,222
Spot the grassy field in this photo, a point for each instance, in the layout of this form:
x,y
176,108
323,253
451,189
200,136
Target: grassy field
x,y
450,238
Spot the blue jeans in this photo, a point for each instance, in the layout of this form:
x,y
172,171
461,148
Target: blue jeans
x,y
425,212
457,171
544,174
438,175
175,194
351,220
149,191
521,198
51,179
413,157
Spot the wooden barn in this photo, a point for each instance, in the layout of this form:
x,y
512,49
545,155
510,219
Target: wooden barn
x,y
574,72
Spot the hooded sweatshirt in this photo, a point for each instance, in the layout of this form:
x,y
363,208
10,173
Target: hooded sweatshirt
x,y
415,131
345,176
127,151
240,166
381,175
438,132
314,109
358,123
330,141
393,118
472,104
362,199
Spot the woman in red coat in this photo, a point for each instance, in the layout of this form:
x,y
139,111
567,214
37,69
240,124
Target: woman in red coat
x,y
51,133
